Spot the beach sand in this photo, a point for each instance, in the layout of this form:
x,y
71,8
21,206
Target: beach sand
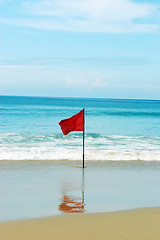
x,y
132,224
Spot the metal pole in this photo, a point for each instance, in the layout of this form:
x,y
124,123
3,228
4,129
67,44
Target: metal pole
x,y
83,187
83,135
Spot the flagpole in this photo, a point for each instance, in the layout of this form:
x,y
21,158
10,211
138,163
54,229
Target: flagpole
x,y
83,134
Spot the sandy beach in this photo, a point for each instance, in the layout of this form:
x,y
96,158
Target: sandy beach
x,y
132,224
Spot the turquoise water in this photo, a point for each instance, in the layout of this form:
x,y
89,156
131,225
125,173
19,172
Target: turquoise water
x,y
115,129
40,168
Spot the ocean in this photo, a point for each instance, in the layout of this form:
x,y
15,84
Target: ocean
x,y
116,129
41,169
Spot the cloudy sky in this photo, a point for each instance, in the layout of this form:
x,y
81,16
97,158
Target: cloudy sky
x,y
80,48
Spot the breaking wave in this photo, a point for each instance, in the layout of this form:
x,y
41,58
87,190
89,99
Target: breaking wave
x,y
18,146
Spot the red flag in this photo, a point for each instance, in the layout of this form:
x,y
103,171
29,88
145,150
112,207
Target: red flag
x,y
74,123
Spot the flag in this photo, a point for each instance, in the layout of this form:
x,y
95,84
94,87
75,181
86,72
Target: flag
x,y
74,123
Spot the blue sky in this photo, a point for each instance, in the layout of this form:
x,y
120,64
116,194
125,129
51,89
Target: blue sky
x,y
80,48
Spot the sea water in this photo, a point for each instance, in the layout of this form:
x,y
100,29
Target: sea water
x,y
115,129
40,168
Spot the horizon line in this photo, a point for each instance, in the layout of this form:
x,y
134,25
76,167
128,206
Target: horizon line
x,y
40,96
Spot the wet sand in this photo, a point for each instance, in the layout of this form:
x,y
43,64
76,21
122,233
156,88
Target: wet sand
x,y
133,224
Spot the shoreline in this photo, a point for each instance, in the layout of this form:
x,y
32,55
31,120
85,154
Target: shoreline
x,y
129,224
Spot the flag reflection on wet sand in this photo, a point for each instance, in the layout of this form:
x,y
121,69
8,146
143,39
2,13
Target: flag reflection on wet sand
x,y
72,205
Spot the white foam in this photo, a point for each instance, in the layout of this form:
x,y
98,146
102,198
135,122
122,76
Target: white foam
x,y
53,147
76,154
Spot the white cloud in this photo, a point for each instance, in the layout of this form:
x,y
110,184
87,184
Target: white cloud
x,y
114,16
84,82
98,83
85,26
99,9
